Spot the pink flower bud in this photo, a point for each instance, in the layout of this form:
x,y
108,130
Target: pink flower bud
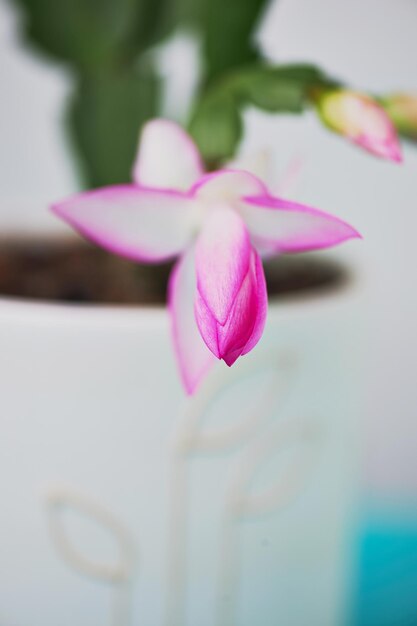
x,y
362,120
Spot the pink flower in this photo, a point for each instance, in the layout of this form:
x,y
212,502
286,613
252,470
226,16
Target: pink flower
x,y
362,120
219,224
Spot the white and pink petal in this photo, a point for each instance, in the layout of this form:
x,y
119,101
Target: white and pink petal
x,y
193,358
222,259
261,295
227,186
140,224
282,226
245,322
167,157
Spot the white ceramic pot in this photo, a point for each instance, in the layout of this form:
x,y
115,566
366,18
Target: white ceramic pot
x,y
125,503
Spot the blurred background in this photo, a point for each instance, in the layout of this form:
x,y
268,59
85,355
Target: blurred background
x,y
372,45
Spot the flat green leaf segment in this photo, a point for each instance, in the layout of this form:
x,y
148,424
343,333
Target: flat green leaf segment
x,y
104,119
93,35
216,124
228,34
217,127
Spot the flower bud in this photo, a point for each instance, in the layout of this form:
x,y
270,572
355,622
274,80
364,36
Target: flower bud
x,y
361,119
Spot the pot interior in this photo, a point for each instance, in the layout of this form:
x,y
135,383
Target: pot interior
x,y
68,270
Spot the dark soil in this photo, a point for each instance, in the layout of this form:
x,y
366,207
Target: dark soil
x,y
71,271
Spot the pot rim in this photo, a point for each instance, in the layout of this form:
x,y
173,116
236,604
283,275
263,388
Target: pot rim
x,y
131,316
316,296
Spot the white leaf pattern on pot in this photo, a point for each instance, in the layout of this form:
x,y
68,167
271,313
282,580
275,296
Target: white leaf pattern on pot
x,y
273,374
302,438
60,501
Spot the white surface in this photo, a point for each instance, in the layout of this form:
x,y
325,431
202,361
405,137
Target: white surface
x,y
371,43
86,418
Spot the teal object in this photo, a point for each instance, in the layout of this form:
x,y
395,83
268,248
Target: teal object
x,y
387,579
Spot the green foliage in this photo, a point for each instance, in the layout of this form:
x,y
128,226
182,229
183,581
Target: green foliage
x,y
225,28
274,95
92,35
216,124
106,41
277,88
188,14
217,127
227,34
105,118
